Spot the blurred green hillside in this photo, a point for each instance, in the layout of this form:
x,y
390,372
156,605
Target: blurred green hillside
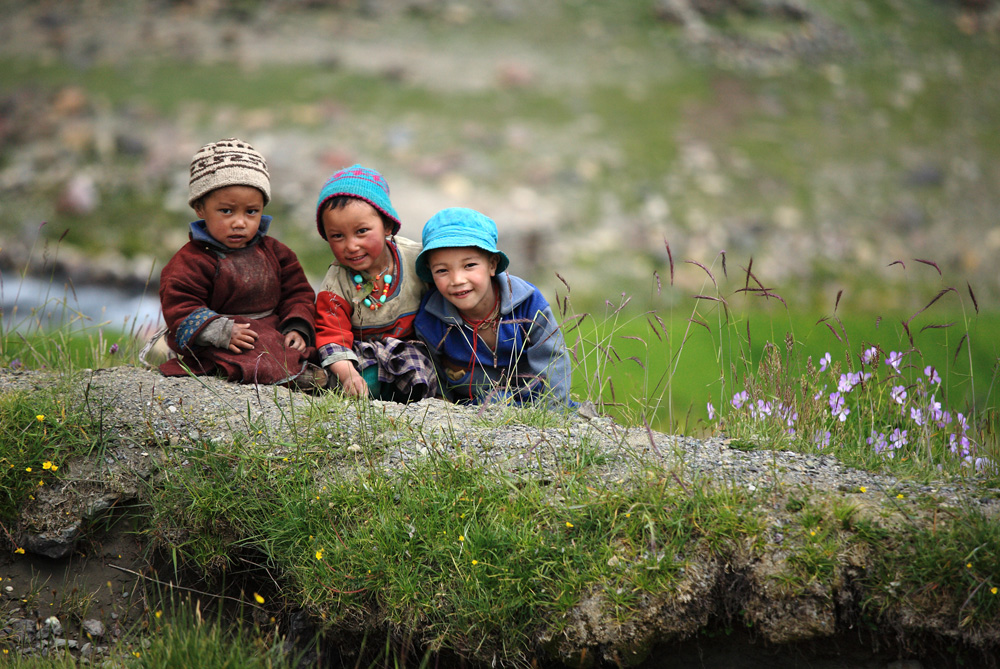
x,y
820,140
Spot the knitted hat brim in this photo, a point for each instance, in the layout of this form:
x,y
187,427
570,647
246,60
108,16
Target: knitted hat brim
x,y
391,215
225,178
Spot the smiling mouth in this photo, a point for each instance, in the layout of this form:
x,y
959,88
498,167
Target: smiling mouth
x,y
461,293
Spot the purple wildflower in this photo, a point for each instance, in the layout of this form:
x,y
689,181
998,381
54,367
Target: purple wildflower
x,y
959,444
878,441
846,383
763,409
917,416
711,411
932,375
114,349
962,422
825,362
898,438
870,356
894,360
821,439
739,399
838,407
789,415
898,394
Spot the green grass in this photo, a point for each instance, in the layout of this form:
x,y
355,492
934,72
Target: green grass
x,y
42,431
466,557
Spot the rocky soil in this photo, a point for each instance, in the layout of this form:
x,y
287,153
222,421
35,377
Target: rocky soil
x,y
80,542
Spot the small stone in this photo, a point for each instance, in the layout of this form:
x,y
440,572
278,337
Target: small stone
x,y
53,625
93,628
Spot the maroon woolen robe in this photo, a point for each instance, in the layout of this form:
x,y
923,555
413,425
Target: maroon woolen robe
x,y
203,282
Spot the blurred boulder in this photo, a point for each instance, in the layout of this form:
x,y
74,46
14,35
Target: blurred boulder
x,y
79,196
129,146
70,101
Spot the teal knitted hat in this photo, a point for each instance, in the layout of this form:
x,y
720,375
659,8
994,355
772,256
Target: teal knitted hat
x,y
362,183
458,227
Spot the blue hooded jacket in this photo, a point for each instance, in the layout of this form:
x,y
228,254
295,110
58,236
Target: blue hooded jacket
x,y
530,361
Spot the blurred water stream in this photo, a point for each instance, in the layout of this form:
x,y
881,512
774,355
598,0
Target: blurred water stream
x,y
29,304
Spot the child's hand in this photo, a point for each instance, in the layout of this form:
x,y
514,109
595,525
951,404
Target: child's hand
x,y
242,338
351,382
294,339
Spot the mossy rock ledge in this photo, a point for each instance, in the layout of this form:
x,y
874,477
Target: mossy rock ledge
x,y
777,586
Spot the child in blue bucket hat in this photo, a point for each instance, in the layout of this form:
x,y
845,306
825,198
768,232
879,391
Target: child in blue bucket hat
x,y
492,335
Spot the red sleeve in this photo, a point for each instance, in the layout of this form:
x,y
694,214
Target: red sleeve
x,y
185,285
333,320
297,294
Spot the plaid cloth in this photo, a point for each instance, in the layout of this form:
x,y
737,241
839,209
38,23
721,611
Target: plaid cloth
x,y
403,366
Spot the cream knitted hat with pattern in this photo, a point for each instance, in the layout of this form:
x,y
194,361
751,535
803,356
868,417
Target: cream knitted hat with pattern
x,y
227,162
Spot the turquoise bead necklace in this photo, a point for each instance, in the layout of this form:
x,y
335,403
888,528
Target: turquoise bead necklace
x,y
370,285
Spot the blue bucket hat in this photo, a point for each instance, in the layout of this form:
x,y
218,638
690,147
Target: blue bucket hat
x,y
360,182
458,227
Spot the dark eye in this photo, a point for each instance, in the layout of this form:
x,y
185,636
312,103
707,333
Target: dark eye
x,y
225,210
253,212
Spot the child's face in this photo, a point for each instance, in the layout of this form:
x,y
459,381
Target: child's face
x,y
464,276
356,235
232,214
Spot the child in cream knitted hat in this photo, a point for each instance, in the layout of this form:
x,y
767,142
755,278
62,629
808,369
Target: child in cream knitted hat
x,y
236,302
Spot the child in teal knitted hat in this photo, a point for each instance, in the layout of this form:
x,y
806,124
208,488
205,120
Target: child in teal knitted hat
x,y
369,296
492,335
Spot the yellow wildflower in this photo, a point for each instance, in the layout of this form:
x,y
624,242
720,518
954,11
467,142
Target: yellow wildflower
x,y
260,600
319,554
993,590
19,551
158,614
569,524
475,562
863,489
40,417
27,469
461,538
46,465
